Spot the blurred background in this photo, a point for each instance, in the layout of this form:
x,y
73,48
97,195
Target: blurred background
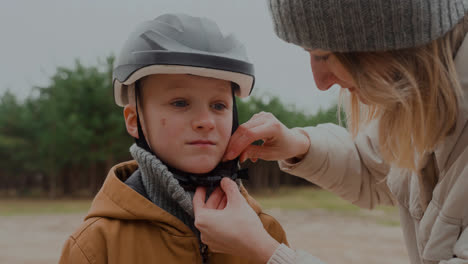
x,y
62,142
60,131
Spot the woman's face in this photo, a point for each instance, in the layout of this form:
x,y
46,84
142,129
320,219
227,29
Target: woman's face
x,y
327,71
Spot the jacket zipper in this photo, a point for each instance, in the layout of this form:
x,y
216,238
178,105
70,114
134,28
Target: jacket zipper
x,y
204,253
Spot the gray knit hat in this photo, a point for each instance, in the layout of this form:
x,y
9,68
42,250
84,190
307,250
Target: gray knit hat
x,y
364,25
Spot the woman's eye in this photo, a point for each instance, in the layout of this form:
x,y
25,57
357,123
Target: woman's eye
x,y
321,58
219,106
180,103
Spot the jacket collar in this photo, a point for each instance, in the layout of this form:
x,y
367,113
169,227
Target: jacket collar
x,y
117,200
442,151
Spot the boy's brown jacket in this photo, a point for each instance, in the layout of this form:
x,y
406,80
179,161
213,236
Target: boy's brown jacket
x,y
124,227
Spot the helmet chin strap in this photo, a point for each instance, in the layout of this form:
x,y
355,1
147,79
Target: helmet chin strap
x,y
141,140
190,181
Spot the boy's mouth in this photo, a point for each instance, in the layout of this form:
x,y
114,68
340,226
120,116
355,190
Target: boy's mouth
x,y
202,142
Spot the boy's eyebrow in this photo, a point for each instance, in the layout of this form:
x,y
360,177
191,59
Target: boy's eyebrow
x,y
178,85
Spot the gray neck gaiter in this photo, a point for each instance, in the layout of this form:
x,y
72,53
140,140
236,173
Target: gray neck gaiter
x,y
162,188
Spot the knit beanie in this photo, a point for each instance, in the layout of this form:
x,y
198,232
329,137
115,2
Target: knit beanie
x,y
364,25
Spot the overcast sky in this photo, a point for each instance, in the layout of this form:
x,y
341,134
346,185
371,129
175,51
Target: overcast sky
x,y
38,36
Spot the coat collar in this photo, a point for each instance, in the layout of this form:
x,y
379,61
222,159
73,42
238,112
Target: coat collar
x,y
117,200
443,150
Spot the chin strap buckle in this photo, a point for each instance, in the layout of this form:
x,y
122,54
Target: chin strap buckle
x,y
241,174
191,182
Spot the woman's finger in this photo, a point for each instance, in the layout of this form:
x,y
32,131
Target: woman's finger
x,y
247,136
215,198
223,203
255,120
269,133
262,152
233,195
240,140
199,199
253,153
242,136
236,229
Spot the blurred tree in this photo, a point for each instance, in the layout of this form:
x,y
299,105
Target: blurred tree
x,y
69,131
287,114
14,141
82,126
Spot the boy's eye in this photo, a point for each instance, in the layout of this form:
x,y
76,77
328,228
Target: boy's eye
x,y
179,103
219,106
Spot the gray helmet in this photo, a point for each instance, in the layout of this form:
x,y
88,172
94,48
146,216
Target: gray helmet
x,y
181,44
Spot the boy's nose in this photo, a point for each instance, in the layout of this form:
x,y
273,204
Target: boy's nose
x,y
203,121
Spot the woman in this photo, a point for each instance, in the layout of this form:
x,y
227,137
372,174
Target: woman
x,y
402,68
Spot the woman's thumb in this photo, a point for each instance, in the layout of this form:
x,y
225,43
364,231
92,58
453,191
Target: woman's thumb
x,y
199,199
231,190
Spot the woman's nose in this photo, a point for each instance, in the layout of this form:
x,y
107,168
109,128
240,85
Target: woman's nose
x,y
323,77
324,81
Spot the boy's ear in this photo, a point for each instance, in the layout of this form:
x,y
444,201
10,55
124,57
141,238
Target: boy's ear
x,y
131,120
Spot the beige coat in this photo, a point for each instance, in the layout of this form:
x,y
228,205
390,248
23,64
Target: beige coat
x,y
355,171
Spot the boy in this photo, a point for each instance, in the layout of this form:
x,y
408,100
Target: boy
x,y
176,77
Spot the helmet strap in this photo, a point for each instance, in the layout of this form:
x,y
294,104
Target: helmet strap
x,y
141,140
235,116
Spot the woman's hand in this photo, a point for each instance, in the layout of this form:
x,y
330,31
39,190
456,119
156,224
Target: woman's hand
x,y
280,142
229,225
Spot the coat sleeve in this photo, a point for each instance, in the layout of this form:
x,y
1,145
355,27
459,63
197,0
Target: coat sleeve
x,y
286,255
456,203
352,169
73,254
460,250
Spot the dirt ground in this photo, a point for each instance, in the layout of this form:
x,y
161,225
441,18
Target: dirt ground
x,y
331,237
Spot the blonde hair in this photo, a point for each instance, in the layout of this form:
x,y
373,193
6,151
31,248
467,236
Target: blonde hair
x,y
412,92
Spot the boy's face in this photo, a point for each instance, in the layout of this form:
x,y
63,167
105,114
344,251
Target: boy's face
x,y
187,119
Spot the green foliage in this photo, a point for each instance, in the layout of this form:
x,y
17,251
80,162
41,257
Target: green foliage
x,y
288,115
15,134
79,117
72,124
